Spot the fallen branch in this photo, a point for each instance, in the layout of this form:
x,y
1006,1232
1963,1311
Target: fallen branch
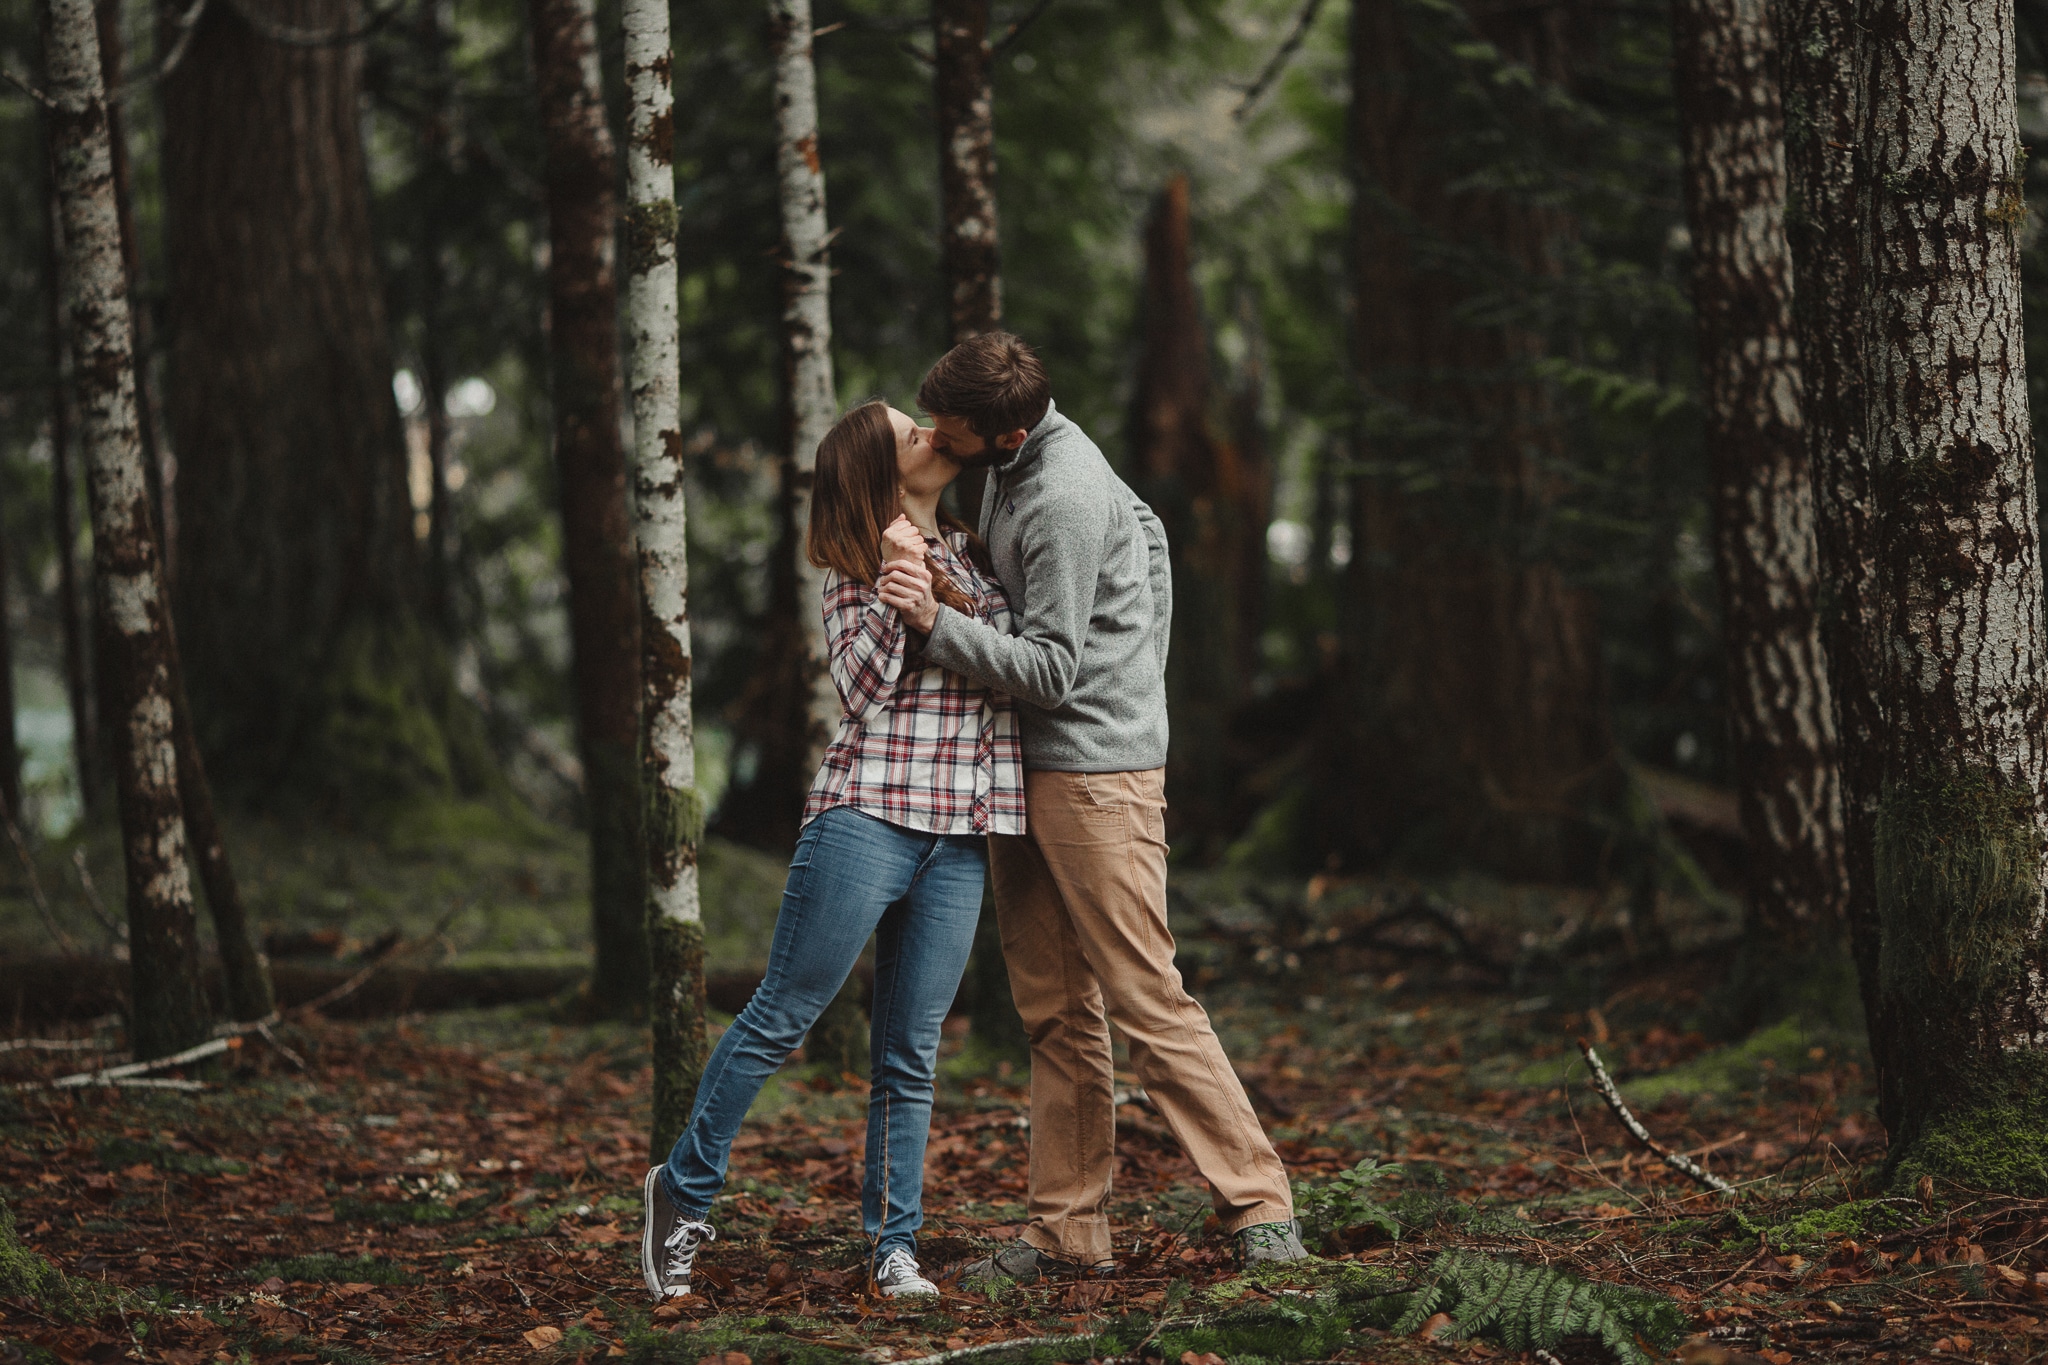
x,y
991,1347
121,1074
116,932
1677,1162
53,1045
383,960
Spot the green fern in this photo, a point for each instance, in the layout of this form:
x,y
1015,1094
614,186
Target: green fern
x,y
1533,1307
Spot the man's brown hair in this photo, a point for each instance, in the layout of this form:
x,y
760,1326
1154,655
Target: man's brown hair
x,y
992,382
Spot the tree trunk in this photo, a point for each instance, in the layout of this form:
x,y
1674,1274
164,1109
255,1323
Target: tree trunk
x,y
1190,479
969,239
668,755
79,693
1821,53
299,586
10,749
1961,827
1780,713
806,331
438,39
1487,744
112,64
169,1012
807,350
597,531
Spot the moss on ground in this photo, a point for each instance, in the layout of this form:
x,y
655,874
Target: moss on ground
x,y
1857,1218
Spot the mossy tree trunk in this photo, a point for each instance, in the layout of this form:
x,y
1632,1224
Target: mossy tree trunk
x,y
668,754
1820,58
1960,825
597,533
300,588
1780,713
168,1012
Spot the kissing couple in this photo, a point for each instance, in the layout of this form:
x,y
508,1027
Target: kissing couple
x,y
1004,694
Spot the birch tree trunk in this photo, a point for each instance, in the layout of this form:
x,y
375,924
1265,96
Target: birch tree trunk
x,y
668,755
1821,54
79,694
169,1013
597,532
1780,712
806,330
1960,822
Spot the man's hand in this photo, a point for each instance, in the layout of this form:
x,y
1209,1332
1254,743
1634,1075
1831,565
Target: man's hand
x,y
901,541
907,586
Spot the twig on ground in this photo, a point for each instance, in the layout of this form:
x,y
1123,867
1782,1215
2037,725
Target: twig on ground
x,y
1682,1164
989,1347
1730,1276
53,1045
121,1074
385,959
262,1030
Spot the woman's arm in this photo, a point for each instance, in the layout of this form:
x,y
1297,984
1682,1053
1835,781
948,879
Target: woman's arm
x,y
866,642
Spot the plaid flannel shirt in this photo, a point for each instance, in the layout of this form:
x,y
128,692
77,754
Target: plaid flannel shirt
x,y
918,746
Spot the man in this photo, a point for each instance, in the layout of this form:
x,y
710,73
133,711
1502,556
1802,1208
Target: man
x,y
1081,897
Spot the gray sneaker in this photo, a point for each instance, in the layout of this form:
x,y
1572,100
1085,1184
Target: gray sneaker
x,y
898,1274
1270,1242
668,1241
1026,1264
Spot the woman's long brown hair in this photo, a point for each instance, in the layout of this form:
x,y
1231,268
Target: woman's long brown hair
x,y
854,498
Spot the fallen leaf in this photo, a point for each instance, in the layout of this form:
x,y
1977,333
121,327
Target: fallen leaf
x,y
1437,1323
540,1338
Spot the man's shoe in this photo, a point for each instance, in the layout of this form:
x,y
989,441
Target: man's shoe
x,y
898,1274
1026,1264
668,1241
1263,1242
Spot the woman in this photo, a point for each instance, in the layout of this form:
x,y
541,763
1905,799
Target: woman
x,y
924,765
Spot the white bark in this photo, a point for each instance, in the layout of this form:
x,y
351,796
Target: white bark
x,y
668,760
807,323
160,908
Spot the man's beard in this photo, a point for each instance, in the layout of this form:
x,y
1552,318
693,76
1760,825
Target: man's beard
x,y
989,454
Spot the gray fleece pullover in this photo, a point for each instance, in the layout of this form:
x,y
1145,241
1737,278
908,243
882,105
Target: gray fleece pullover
x,y
1084,563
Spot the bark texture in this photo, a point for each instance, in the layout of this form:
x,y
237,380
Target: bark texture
x,y
163,943
299,589
1821,58
1190,477
806,332
1487,744
1780,712
968,241
1960,823
79,693
597,532
668,754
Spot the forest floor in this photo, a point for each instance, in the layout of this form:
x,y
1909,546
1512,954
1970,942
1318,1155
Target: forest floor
x,y
466,1186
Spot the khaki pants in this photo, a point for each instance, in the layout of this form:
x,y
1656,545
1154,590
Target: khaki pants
x,y
1081,902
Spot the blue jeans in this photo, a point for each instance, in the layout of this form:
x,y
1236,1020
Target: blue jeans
x,y
853,875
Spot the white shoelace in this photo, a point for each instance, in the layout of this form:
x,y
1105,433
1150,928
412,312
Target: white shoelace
x,y
898,1264
682,1247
